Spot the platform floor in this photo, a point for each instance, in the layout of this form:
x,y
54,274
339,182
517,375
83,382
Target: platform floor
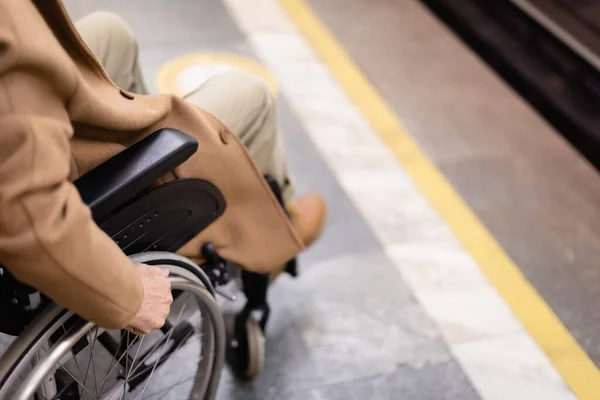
x,y
400,299
535,194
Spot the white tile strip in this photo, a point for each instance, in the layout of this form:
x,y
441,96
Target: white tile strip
x,y
499,357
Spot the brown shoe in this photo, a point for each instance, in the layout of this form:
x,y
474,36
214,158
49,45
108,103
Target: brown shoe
x,y
308,214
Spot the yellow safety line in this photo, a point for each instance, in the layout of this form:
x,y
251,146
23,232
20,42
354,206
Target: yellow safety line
x,y
571,361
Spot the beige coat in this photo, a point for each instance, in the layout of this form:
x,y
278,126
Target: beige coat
x,y
60,116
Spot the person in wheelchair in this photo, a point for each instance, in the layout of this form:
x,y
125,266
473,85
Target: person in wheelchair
x,y
72,98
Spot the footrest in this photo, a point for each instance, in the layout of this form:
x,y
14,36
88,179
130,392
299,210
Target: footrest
x,y
292,267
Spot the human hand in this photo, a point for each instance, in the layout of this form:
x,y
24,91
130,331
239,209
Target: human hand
x,y
157,300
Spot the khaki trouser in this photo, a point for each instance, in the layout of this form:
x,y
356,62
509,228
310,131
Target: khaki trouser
x,y
238,99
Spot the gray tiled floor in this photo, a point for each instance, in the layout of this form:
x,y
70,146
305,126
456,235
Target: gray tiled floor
x,y
348,328
535,194
155,23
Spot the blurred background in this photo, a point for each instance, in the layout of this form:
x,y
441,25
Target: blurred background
x,y
457,143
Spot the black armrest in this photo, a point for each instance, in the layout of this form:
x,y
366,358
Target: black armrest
x,y
120,178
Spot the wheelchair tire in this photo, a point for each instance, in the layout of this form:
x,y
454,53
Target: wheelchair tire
x,y
246,352
256,349
43,360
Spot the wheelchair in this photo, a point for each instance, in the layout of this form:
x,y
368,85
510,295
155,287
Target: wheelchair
x,y
58,355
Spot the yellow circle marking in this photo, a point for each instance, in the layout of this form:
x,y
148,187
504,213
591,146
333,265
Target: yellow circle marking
x,y
170,74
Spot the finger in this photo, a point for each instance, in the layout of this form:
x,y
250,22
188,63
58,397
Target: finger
x,y
160,321
165,314
135,330
160,271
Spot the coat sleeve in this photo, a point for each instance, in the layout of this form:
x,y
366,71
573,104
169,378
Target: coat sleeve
x,y
47,236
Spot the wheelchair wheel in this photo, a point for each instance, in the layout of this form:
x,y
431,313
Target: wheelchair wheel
x,y
247,349
256,349
61,356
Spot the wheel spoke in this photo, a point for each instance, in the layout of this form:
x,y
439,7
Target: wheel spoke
x,y
169,388
154,367
57,397
87,369
103,382
158,343
76,380
80,392
174,350
79,369
199,334
150,351
94,363
128,375
126,363
161,352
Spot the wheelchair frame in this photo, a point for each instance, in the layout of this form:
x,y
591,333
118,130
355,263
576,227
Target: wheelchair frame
x,y
142,219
